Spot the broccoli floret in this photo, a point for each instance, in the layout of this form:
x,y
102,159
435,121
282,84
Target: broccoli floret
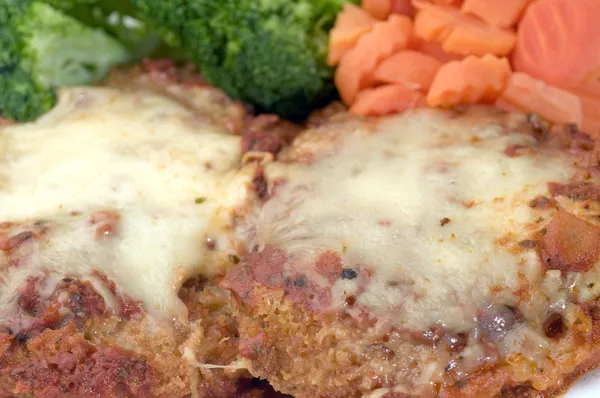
x,y
21,98
271,53
118,18
41,49
60,51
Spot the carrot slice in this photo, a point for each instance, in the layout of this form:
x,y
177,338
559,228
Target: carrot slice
x,y
380,9
456,3
385,100
460,33
558,41
590,103
431,25
498,13
534,96
435,50
356,68
469,81
403,7
411,68
474,40
351,23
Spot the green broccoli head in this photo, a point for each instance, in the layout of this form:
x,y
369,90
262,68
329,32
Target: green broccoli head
x,y
60,51
271,53
42,49
118,18
21,98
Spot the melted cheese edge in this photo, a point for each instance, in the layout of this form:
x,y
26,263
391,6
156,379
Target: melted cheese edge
x,y
379,197
142,155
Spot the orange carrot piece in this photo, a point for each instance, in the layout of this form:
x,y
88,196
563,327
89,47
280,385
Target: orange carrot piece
x,y
460,33
558,41
385,100
410,68
435,50
497,13
403,7
534,96
380,9
351,23
590,103
455,3
469,81
432,26
356,68
469,39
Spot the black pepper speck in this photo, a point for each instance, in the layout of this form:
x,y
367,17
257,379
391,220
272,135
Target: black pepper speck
x,y
349,273
21,337
301,281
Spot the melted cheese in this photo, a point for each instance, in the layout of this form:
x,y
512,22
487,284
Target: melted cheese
x,y
171,176
378,198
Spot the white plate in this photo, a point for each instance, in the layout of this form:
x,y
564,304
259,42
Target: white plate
x,y
587,386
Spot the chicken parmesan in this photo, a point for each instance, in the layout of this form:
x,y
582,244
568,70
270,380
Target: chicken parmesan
x,y
435,253
116,217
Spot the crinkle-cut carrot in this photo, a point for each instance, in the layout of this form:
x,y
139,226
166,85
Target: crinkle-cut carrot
x,y
558,41
380,9
531,95
474,40
435,50
351,23
385,100
432,26
590,103
455,3
411,68
403,7
469,81
356,68
460,33
498,13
